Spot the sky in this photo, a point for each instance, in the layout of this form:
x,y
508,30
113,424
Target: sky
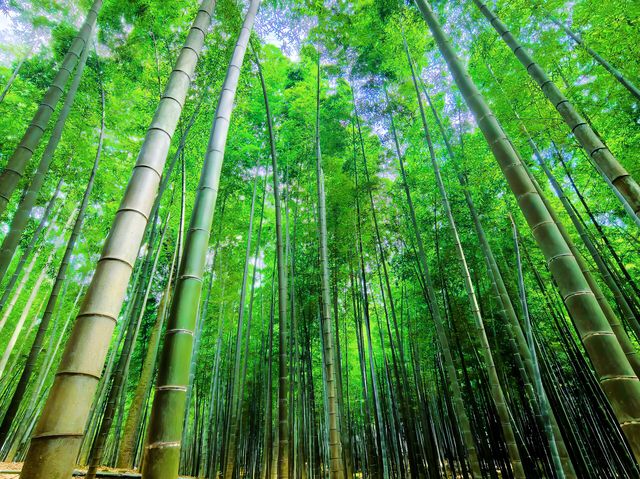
x,y
276,27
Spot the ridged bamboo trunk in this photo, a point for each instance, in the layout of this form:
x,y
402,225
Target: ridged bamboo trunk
x,y
15,168
162,449
497,395
617,74
529,369
606,163
58,434
27,202
61,275
119,382
21,436
616,326
616,377
129,438
8,289
451,374
336,464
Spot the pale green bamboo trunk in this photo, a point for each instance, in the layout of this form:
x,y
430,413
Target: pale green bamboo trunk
x,y
58,434
27,202
162,449
606,163
132,424
15,168
617,378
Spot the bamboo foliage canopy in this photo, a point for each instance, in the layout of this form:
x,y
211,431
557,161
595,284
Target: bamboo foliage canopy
x,y
336,240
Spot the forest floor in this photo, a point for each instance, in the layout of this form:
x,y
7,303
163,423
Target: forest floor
x,y
10,466
17,466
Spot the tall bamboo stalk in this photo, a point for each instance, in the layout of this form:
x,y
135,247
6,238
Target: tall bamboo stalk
x,y
162,449
58,434
120,377
129,436
8,289
495,387
283,456
606,163
451,374
15,168
524,355
617,74
336,464
21,217
61,275
616,377
236,397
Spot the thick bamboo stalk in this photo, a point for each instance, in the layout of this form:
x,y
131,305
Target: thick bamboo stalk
x,y
132,424
162,449
36,347
27,202
58,435
120,376
618,329
15,168
616,377
606,163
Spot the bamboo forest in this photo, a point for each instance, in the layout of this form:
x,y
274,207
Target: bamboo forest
x,y
319,239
